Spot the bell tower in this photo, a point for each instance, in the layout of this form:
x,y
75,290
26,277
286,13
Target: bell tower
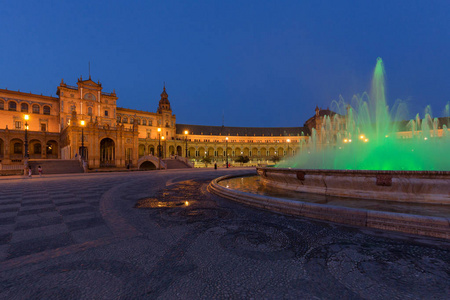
x,y
164,104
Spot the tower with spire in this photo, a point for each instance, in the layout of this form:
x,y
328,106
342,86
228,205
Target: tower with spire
x,y
164,104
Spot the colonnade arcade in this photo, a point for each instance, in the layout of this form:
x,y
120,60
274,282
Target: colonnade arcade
x,y
13,149
216,152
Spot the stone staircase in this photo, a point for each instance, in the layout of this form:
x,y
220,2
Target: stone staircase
x,y
175,164
56,166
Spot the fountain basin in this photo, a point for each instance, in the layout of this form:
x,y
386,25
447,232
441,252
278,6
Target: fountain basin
x,y
438,227
405,186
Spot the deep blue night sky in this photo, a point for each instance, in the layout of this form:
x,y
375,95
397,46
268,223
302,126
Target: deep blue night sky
x,y
260,63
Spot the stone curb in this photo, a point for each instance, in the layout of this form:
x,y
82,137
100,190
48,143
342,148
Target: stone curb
x,y
413,224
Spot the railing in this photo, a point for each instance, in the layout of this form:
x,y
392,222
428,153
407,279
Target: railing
x,y
11,167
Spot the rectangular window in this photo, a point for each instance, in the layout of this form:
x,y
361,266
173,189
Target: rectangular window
x,y
43,127
18,124
106,113
149,134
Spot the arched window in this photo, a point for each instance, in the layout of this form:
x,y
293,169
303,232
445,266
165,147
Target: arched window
x,y
24,107
37,148
125,120
144,122
149,122
2,105
118,119
46,110
131,120
12,106
139,121
90,111
17,148
89,96
36,109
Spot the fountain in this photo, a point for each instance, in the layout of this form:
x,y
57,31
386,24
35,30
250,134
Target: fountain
x,y
365,151
369,152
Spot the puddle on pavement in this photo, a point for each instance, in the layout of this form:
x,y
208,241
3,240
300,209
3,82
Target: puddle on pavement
x,y
156,203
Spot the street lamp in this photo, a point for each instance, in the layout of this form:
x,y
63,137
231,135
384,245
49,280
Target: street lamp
x,y
159,147
185,134
226,149
82,139
26,117
288,141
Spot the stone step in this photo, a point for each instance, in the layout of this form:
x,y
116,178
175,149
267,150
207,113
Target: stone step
x,y
55,166
175,164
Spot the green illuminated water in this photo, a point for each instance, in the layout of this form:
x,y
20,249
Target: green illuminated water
x,y
364,135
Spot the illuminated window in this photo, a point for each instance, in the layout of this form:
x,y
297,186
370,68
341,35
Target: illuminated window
x,y
18,124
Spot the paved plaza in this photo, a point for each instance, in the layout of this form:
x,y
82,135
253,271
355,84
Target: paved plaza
x,y
161,235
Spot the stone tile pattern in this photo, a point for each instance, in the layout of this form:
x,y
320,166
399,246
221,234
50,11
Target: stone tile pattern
x,y
38,214
194,245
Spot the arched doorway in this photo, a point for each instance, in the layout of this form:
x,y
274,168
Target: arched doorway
x,y
179,151
172,150
151,150
51,149
35,149
17,149
107,153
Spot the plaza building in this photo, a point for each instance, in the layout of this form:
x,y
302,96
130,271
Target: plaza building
x,y
85,121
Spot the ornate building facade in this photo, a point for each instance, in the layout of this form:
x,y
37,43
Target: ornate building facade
x,y
85,120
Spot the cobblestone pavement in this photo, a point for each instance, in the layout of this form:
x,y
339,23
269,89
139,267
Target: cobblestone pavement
x,y
160,234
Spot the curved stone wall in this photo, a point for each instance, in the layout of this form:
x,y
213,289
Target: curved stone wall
x,y
405,186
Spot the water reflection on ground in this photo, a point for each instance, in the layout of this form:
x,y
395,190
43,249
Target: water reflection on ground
x,y
252,184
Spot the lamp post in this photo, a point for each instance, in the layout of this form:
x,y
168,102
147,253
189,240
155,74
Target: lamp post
x,y
163,148
226,149
185,135
82,139
288,142
26,117
159,147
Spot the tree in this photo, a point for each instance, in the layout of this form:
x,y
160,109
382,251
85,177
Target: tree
x,y
206,160
242,159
